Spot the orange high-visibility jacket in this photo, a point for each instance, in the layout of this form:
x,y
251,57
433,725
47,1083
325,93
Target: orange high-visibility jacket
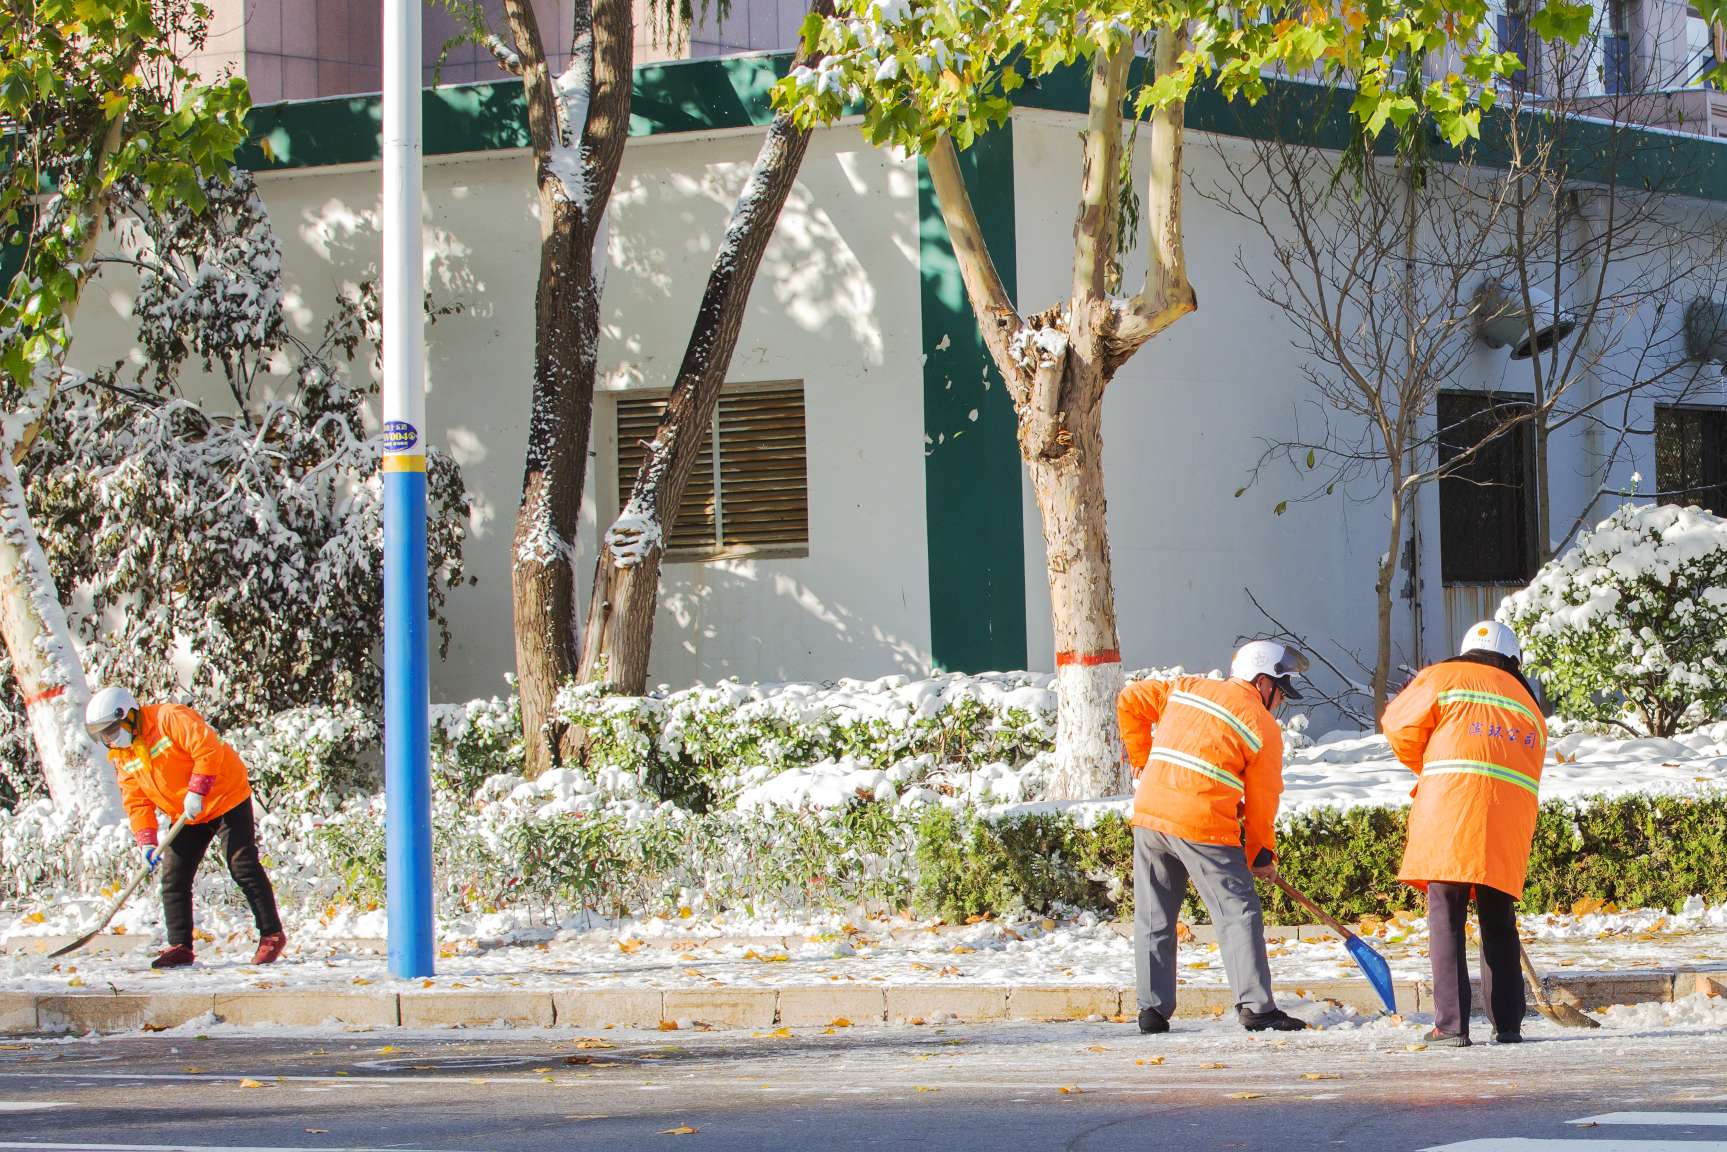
x,y
1476,738
1214,764
175,752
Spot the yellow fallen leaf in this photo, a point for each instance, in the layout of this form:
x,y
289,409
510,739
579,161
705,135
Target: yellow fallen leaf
x,y
680,1130
963,949
1149,1061
1245,1095
251,1084
629,946
1320,1076
389,1048
668,1025
592,1042
1097,1048
427,983
75,982
193,1070
1415,1047
361,980
839,1022
118,929
775,958
781,1033
685,913
1072,1091
1214,1065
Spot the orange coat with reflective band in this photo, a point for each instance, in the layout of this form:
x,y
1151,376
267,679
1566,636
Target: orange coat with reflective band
x,y
1477,740
174,744
1214,765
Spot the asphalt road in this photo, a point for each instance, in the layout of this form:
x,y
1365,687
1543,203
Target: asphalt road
x,y
988,1088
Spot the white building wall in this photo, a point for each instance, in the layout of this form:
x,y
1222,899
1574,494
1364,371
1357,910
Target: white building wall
x,y
835,305
1184,422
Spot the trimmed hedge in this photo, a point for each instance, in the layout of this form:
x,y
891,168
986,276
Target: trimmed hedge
x,y
1633,851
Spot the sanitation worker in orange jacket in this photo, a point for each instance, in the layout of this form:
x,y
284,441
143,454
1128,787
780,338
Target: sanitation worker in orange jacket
x,y
1208,758
168,758
1469,727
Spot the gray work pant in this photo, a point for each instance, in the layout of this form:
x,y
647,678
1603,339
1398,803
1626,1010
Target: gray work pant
x,y
1162,866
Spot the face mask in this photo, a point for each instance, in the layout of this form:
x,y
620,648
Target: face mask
x,y
115,735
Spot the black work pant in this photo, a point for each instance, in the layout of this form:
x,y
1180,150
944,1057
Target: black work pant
x,y
239,831
1501,979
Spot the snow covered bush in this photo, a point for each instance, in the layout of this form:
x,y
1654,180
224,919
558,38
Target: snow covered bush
x,y
1632,620
475,741
310,759
231,552
704,746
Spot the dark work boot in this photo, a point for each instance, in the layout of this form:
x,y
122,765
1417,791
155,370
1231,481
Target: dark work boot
x,y
1151,1020
175,956
1276,1020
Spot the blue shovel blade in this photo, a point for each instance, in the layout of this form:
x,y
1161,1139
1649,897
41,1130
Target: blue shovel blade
x,y
1377,971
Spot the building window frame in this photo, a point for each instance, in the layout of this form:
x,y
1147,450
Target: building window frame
x,y
731,408
1462,496
1711,493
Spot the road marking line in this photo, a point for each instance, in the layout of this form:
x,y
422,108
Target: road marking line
x,y
81,1146
1655,1119
28,1105
1527,1144
269,1077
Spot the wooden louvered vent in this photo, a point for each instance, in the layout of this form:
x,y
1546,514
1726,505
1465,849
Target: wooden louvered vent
x,y
760,502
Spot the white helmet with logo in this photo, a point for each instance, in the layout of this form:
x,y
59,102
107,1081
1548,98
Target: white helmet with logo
x,y
107,712
1269,658
1491,636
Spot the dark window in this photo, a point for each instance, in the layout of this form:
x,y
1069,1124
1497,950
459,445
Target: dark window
x,y
1513,28
1486,524
1691,457
1616,51
759,501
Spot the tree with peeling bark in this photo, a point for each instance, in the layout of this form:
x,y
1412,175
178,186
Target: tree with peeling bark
x,y
934,74
619,636
95,94
578,121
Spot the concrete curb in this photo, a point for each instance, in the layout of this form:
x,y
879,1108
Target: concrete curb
x,y
794,1006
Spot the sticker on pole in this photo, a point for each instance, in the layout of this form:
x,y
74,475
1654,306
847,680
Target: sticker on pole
x,y
399,436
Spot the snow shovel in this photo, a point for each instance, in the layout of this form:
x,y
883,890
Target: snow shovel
x,y
1562,1014
1371,963
125,894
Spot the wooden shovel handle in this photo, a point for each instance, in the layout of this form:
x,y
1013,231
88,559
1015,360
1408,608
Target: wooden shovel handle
x,y
1325,917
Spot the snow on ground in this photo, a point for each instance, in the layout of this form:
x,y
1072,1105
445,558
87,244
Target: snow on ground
x,y
513,949
1339,770
695,953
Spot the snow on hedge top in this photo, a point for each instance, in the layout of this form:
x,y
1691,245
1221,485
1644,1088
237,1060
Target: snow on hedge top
x,y
1636,543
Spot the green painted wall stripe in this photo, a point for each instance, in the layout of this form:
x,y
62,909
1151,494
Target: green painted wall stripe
x,y
972,502
732,92
680,96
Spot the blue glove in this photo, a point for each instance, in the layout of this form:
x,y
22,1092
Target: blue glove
x,y
152,854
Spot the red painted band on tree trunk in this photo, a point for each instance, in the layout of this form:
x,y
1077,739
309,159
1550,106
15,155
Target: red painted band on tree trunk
x,y
46,694
1088,659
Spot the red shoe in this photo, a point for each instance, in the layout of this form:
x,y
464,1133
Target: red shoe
x,y
270,948
177,956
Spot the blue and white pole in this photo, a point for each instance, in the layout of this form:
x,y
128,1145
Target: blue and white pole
x,y
407,691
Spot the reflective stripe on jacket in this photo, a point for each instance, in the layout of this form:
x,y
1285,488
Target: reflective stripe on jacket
x,y
1477,740
172,746
1213,766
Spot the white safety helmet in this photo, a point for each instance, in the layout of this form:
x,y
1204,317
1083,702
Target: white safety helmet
x,y
105,716
1269,658
1491,636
